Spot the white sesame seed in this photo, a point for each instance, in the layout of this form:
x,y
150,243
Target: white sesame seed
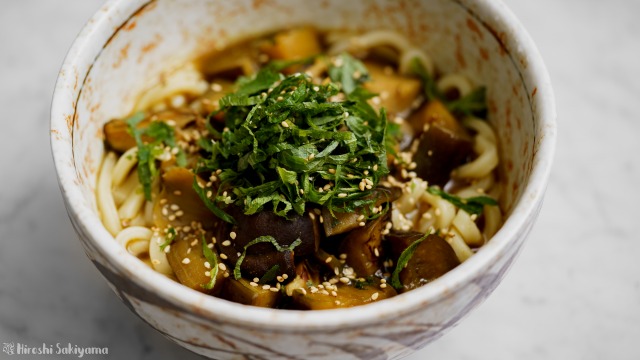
x,y
343,256
232,235
253,283
266,287
210,246
337,302
342,195
223,257
186,261
327,260
344,280
375,167
361,223
382,286
321,219
207,265
279,278
376,252
226,243
301,192
273,289
334,293
303,291
207,273
285,276
384,281
167,249
284,124
222,266
332,171
374,296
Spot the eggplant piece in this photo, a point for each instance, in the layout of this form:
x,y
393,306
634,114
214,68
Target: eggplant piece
x,y
117,135
241,291
396,92
342,222
444,143
432,258
347,295
189,265
177,190
363,247
263,256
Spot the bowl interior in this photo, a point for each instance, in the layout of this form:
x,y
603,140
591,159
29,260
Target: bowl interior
x,y
131,45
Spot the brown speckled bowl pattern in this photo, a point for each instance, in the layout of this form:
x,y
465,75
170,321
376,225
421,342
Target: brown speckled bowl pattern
x,y
127,45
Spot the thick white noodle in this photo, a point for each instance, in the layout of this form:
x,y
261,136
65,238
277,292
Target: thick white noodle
x,y
460,247
135,239
104,197
121,193
132,205
444,211
358,43
468,229
158,257
454,82
492,220
484,164
123,167
148,213
184,80
478,187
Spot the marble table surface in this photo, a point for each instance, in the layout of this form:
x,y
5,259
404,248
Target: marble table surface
x,y
574,293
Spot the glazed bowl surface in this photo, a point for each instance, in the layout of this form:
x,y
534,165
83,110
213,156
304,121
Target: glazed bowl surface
x,y
127,47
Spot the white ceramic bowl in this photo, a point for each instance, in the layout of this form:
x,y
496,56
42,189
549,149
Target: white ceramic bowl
x,y
126,47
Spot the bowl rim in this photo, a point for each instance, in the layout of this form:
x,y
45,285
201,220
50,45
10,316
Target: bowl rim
x,y
86,221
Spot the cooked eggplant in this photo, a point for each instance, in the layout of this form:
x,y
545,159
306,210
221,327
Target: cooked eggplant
x,y
241,291
432,258
263,256
363,247
346,295
342,222
189,264
444,143
117,136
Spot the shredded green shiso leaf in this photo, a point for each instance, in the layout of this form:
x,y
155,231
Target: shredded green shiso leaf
x,y
290,143
160,134
472,205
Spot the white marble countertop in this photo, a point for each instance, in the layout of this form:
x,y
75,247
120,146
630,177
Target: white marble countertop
x,y
574,293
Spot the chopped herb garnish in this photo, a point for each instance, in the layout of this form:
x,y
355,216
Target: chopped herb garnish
x,y
270,274
472,205
210,204
161,135
212,258
169,238
404,258
473,104
286,138
363,284
262,239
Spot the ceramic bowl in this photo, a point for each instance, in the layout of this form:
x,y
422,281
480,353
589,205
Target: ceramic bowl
x,y
128,45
